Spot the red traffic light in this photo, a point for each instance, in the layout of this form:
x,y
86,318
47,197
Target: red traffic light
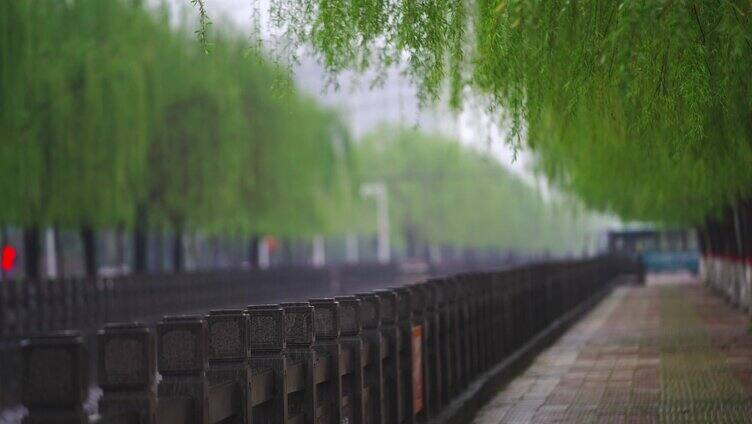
x,y
8,258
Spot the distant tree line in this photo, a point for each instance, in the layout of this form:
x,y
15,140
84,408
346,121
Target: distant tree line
x,y
112,119
442,193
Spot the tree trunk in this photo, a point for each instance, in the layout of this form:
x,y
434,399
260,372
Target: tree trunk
x,y
158,255
702,243
140,244
31,252
714,242
287,255
120,247
88,240
411,241
215,252
178,251
253,251
744,215
748,230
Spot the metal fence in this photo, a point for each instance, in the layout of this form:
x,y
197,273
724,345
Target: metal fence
x,y
397,355
32,307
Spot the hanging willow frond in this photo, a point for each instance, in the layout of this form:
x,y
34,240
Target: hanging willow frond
x,y
634,106
204,22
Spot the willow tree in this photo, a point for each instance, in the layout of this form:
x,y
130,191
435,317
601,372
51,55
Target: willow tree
x,y
113,119
642,108
295,173
73,115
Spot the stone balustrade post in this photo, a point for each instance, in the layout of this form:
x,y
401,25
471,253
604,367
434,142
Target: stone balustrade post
x,y
228,356
419,337
464,332
433,348
55,379
300,338
351,345
391,366
182,363
326,324
267,345
126,374
473,302
445,336
373,377
404,325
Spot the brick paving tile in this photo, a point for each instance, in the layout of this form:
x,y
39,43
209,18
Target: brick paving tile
x,y
667,352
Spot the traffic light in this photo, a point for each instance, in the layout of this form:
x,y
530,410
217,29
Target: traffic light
x,y
8,258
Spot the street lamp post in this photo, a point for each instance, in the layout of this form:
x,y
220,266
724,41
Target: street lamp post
x,y
379,193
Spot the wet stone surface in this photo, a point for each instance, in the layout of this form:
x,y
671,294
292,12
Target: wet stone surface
x,y
670,352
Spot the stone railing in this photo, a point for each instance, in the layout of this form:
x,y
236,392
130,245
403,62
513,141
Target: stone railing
x,y
402,355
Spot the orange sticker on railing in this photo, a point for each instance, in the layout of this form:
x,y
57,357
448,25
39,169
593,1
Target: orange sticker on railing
x,y
417,356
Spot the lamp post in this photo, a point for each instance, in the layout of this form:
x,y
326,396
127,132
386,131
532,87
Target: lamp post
x,y
379,193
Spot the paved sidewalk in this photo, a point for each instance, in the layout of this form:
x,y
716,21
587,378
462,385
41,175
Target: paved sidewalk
x,y
670,352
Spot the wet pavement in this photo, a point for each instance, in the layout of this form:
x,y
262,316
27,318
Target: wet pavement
x,y
668,352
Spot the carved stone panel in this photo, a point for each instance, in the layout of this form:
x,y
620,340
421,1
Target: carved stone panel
x,y
369,310
299,323
349,311
228,334
387,307
126,357
326,318
182,345
267,328
55,372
